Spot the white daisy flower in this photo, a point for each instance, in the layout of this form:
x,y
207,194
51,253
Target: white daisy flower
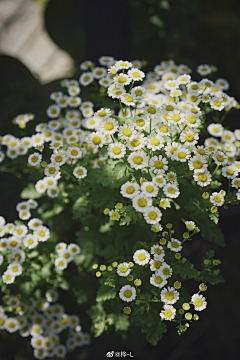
x,y
30,241
171,84
109,126
12,325
126,131
215,129
123,269
141,202
51,170
60,247
114,215
190,225
236,182
155,264
80,172
199,302
168,313
74,249
189,137
228,136
155,142
217,103
87,113
171,190
3,319
158,280
217,199
86,78
130,189
53,192
53,111
163,129
183,79
157,251
229,171
8,277
116,150
136,74
149,189
169,295
197,162
165,203
138,93
141,122
122,79
138,159
37,140
105,82
158,164
42,233
220,158
159,180
96,140
174,245
194,88
136,142
74,152
152,215
115,91
128,99
204,70
151,110
99,72
61,263
202,177
20,231
181,154
166,270
24,214
141,257
15,268
222,83
58,159
106,60
127,293
201,150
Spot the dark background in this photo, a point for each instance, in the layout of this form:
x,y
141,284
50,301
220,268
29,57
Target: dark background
x,y
190,32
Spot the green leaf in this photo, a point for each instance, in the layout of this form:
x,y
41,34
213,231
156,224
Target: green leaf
x,y
30,192
110,282
214,218
122,323
104,293
155,20
57,209
185,270
154,331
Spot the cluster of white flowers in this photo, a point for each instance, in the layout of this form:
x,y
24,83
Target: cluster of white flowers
x,y
23,119
162,273
44,321
65,254
16,238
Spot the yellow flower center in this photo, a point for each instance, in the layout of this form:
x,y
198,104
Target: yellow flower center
x,y
158,164
159,180
176,117
80,171
229,172
127,132
138,92
141,257
142,202
158,279
175,244
140,122
137,159
123,269
102,113
135,142
163,129
127,293
202,177
130,189
149,188
168,313
157,264
198,302
154,141
152,215
197,164
169,295
217,199
14,268
189,137
135,74
41,233
129,98
116,150
217,103
35,159
108,126
182,155
169,108
122,79
151,110
96,140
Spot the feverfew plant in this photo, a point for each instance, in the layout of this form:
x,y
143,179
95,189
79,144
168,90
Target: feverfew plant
x,y
116,175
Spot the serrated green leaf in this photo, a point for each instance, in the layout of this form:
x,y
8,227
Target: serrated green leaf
x,y
104,293
122,323
30,192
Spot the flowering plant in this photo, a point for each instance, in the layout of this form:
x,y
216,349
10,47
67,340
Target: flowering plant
x,y
131,172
